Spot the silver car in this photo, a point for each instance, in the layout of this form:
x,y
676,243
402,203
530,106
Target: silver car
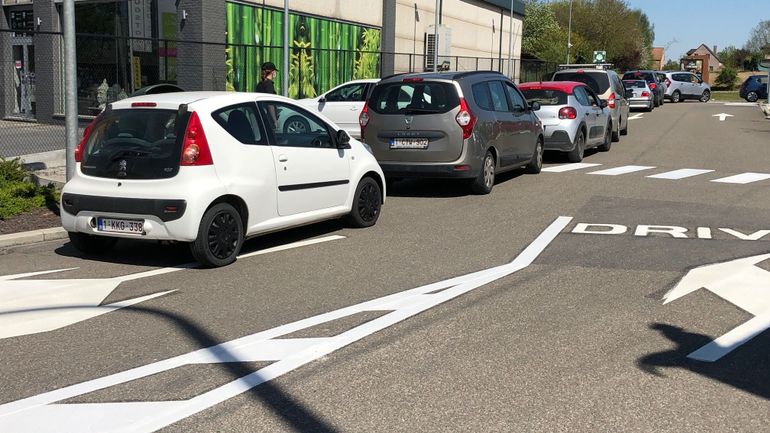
x,y
463,125
606,83
686,85
574,118
643,95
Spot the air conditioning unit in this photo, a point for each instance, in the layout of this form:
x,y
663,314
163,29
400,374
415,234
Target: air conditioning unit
x,y
443,45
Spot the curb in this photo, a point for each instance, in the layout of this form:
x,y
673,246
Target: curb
x,y
31,237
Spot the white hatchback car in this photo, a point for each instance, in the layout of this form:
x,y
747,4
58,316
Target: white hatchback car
x,y
341,105
204,168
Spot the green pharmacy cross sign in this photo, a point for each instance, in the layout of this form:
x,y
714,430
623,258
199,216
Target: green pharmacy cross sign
x,y
600,56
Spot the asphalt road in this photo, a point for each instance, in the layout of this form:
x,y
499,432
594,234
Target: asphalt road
x,y
573,335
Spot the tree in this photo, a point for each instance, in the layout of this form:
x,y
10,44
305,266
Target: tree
x,y
671,65
727,77
759,40
542,35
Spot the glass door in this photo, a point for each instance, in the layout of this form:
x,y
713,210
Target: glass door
x,y
24,77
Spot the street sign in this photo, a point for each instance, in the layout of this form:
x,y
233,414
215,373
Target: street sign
x,y
600,56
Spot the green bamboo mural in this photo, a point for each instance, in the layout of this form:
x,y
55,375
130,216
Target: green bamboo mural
x,y
323,53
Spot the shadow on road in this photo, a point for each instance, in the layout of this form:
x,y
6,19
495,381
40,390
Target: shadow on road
x,y
280,402
169,254
746,368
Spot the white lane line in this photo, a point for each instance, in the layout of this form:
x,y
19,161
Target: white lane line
x,y
636,116
680,174
40,414
617,171
292,246
741,104
743,178
569,167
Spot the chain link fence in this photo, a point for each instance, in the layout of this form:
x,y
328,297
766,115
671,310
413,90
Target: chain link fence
x,y
111,68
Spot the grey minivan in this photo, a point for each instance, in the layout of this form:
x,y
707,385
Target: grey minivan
x,y
465,125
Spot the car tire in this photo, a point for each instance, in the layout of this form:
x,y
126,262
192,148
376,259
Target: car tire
x,y
706,96
91,244
220,236
752,96
605,146
615,134
676,96
536,163
367,203
576,154
484,182
662,100
296,125
655,101
624,131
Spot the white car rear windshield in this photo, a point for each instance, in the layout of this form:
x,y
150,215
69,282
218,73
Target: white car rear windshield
x,y
545,96
133,144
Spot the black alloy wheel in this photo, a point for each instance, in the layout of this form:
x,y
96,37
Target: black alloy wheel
x,y
220,236
366,205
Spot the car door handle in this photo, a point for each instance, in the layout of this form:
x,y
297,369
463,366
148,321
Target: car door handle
x,y
283,158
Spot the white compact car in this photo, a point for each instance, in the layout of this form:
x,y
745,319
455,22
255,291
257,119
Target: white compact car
x,y
207,168
341,105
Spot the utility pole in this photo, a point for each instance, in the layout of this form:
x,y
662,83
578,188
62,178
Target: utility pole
x,y
435,38
569,31
414,37
70,86
285,72
510,45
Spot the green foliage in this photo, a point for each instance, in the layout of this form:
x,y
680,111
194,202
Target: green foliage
x,y
17,194
368,61
727,77
671,65
597,25
759,40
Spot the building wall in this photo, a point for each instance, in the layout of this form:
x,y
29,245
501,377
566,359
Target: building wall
x,y
367,12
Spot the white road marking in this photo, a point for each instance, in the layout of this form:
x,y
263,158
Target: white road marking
x,y
34,306
743,178
617,171
722,116
741,104
636,116
739,282
569,167
41,414
680,174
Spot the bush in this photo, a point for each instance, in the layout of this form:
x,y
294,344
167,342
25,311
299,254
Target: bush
x,y
727,77
17,194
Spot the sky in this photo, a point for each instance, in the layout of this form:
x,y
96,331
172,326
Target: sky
x,y
685,24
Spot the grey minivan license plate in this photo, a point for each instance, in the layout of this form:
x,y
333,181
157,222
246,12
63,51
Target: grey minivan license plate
x,y
408,143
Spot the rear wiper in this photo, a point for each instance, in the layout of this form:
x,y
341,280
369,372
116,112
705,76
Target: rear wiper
x,y
420,111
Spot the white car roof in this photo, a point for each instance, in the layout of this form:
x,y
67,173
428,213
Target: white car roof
x,y
221,99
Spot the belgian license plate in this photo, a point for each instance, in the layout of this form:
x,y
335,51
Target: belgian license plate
x,y
408,143
116,225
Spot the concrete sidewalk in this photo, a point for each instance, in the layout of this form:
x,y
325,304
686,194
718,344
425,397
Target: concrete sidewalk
x,y
47,167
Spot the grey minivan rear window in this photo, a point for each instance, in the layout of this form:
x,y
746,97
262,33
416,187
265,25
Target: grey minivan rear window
x,y
598,81
133,144
422,97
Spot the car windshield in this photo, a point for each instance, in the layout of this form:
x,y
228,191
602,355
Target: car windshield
x,y
598,81
545,96
635,84
414,98
133,144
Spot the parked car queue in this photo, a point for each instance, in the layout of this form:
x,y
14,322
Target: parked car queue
x,y
213,168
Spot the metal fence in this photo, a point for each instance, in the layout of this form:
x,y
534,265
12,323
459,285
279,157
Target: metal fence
x,y
110,68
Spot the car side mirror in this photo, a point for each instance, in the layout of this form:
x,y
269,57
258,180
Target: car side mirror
x,y
700,81
322,100
343,139
535,106
604,104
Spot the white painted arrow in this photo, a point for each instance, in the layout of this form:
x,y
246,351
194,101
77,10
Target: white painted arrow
x,y
722,116
34,306
739,282
46,413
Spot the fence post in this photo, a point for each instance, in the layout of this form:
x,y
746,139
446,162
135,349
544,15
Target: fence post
x,y
70,86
